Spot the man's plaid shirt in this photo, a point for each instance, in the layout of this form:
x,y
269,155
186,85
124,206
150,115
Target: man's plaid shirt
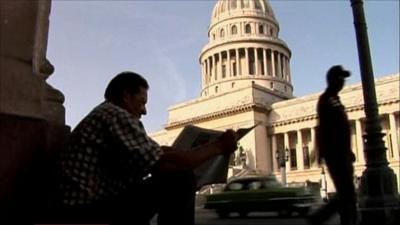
x,y
107,151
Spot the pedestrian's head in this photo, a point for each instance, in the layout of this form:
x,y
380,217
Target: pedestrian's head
x,y
336,76
129,91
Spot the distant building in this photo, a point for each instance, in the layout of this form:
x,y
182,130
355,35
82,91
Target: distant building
x,y
246,79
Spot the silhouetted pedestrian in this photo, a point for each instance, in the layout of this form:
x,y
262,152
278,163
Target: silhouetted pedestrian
x,y
334,146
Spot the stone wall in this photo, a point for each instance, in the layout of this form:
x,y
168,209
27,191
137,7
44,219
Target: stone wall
x,y
32,118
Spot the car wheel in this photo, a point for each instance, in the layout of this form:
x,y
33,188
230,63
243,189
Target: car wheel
x,y
222,213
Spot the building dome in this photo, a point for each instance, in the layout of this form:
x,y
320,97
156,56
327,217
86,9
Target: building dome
x,y
232,8
244,49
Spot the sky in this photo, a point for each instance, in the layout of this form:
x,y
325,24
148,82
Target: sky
x,y
92,41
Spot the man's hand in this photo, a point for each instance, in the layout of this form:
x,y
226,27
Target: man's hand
x,y
227,142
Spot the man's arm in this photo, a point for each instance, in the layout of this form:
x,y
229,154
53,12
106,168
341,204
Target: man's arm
x,y
174,160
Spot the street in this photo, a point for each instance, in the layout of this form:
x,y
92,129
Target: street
x,y
208,217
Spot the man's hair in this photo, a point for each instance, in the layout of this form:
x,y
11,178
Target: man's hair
x,y
125,81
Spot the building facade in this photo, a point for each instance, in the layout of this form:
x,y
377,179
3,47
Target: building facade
x,y
246,79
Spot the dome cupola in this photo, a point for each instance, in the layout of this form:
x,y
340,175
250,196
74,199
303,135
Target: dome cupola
x,y
234,8
244,49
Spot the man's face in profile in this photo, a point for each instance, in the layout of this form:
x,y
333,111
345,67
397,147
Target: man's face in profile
x,y
337,83
135,104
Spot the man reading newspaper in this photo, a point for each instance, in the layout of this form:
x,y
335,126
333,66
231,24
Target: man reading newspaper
x,y
106,165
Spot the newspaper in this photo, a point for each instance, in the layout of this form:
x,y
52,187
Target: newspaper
x,y
215,170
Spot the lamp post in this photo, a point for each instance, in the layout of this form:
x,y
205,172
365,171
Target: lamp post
x,y
378,192
282,157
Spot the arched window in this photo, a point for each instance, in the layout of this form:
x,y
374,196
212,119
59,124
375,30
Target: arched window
x,y
234,30
261,29
222,33
271,32
213,36
247,29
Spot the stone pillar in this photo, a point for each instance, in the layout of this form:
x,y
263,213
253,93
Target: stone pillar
x,y
262,155
299,151
246,61
286,144
214,67
208,70
265,61
273,63
32,117
279,70
359,140
228,63
287,69
237,62
256,72
395,138
274,146
220,65
284,67
313,148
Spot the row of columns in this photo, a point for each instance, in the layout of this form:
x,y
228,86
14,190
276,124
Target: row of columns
x,y
277,63
358,147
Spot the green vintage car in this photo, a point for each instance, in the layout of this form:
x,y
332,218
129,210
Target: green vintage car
x,y
261,194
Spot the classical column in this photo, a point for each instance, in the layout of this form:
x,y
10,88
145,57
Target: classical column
x,y
228,63
265,61
208,70
221,64
313,148
299,151
279,70
214,67
359,141
287,149
237,61
283,66
393,133
289,73
246,61
273,62
256,62
275,165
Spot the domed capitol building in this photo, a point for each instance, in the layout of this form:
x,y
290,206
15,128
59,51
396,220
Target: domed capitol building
x,y
246,79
